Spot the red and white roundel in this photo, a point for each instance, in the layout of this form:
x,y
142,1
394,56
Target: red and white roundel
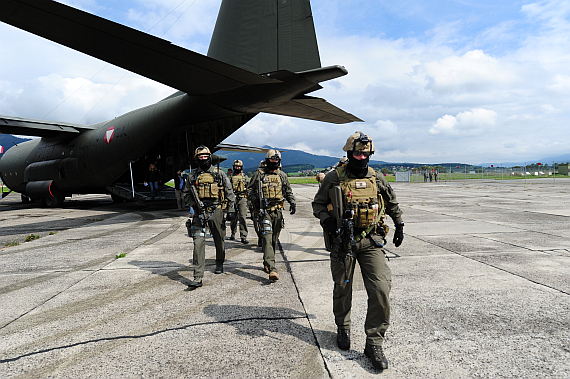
x,y
109,134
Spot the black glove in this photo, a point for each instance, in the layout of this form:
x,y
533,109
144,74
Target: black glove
x,y
230,216
293,208
398,235
330,225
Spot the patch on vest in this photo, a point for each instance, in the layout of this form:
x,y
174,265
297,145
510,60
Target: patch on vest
x,y
360,184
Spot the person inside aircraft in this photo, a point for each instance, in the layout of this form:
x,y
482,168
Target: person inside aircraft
x,y
152,177
178,185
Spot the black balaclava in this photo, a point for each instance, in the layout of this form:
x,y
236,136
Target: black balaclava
x,y
271,166
358,168
204,164
237,170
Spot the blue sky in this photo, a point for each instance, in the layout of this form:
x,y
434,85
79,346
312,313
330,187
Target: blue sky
x,y
434,81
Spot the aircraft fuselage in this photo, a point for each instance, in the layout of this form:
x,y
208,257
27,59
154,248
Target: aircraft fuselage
x,y
97,157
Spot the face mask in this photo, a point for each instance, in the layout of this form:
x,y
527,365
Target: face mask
x,y
271,166
204,164
358,168
237,170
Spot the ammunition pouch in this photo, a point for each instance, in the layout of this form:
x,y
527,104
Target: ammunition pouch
x,y
272,188
210,187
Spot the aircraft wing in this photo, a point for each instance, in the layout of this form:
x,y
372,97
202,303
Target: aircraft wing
x,y
312,108
38,128
240,148
139,52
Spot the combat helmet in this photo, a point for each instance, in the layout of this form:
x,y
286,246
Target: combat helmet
x,y
273,154
359,142
237,162
201,150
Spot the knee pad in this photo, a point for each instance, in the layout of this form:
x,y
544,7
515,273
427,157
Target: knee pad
x,y
196,231
267,226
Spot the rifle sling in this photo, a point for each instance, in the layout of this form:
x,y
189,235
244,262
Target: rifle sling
x,y
364,233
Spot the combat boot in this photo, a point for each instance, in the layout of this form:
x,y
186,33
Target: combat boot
x,y
233,237
343,338
377,356
273,276
244,240
197,282
219,269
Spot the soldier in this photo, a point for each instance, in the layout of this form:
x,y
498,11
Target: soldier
x,y
212,188
275,189
239,184
255,212
366,197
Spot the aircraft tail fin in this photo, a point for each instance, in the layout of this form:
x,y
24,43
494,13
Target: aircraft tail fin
x,y
264,36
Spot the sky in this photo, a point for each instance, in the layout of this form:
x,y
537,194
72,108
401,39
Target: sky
x,y
434,81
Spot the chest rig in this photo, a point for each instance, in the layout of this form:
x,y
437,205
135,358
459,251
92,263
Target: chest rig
x,y
238,184
361,200
210,188
272,188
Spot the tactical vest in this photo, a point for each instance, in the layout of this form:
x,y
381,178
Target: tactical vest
x,y
272,188
361,198
210,187
238,184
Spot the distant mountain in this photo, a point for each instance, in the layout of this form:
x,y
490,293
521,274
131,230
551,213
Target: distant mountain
x,y
8,141
547,160
288,157
558,159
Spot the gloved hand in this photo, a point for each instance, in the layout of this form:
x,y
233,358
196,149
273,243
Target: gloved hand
x,y
330,225
293,208
230,216
398,235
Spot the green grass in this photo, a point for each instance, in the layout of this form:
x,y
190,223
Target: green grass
x,y
312,180
13,243
303,180
31,237
122,255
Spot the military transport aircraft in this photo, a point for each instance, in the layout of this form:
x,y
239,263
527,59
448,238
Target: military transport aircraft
x,y
263,57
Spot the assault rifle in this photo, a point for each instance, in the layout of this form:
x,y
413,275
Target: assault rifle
x,y
344,234
199,206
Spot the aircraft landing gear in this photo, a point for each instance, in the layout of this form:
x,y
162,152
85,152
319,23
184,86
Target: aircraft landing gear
x,y
40,202
56,201
25,199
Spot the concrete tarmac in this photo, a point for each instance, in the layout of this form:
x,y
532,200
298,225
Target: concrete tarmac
x,y
480,289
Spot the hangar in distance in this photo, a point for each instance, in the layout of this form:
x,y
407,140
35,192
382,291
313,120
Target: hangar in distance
x,y
263,57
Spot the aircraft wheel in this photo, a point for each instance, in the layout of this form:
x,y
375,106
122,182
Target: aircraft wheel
x,y
25,199
40,202
56,201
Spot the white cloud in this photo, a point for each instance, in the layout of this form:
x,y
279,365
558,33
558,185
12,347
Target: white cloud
x,y
489,91
467,123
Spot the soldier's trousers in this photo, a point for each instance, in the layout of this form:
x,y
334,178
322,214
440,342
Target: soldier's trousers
x,y
240,216
218,228
272,224
377,279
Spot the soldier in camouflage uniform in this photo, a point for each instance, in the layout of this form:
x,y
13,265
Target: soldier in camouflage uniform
x,y
366,198
213,188
276,189
239,184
